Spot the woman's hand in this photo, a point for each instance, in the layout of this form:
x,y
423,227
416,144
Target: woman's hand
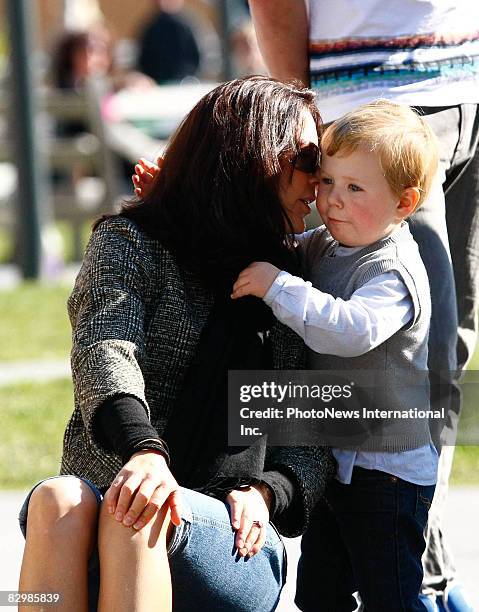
x,y
250,517
256,279
141,488
145,173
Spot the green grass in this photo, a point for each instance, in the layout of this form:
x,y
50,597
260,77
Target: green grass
x,y
66,233
34,325
5,246
33,420
34,322
466,458
465,469
474,363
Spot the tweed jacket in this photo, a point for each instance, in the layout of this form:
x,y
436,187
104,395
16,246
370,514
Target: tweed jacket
x,y
136,320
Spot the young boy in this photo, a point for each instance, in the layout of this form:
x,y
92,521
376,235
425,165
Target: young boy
x,y
367,307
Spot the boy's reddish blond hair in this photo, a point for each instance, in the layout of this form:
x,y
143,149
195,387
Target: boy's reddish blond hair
x,y
403,141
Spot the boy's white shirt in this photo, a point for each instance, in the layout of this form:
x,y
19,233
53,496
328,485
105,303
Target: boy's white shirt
x,y
348,328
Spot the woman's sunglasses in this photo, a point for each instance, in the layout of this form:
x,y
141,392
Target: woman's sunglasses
x,y
307,159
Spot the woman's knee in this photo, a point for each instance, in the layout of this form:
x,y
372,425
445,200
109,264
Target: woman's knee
x,y
156,532
61,505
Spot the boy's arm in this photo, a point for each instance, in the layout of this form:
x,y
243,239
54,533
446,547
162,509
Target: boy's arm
x,y
333,326
282,33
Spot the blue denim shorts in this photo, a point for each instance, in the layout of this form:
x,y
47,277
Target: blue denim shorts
x,y
206,572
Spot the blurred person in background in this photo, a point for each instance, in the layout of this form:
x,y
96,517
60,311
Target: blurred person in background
x,y
78,56
85,54
85,58
246,54
169,50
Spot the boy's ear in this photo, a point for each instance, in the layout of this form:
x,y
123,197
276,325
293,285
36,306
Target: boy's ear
x,y
408,201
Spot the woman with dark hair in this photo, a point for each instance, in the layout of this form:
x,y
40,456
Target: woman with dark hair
x,y
80,54
154,335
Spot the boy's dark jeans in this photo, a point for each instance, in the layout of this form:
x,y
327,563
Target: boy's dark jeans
x,y
367,536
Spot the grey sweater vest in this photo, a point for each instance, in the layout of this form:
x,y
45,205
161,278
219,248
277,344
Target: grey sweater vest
x,y
401,361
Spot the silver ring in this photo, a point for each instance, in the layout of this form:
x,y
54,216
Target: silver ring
x,y
258,524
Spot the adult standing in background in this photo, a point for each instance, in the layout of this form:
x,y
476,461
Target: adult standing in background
x,y
425,54
168,47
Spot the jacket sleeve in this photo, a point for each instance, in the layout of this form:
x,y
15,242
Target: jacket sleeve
x,y
310,468
107,311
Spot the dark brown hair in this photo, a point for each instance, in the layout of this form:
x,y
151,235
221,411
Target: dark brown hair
x,y
63,58
70,43
215,203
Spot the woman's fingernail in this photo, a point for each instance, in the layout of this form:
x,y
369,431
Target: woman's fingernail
x,y
128,521
111,509
138,525
119,516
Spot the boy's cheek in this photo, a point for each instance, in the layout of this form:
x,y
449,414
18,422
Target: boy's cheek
x,y
365,218
321,205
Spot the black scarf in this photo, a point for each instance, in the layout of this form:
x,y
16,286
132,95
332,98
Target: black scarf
x,y
197,432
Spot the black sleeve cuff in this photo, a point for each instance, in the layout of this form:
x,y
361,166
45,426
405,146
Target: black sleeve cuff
x,y
283,490
121,425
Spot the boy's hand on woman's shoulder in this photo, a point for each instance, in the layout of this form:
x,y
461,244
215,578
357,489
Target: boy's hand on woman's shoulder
x,y
145,174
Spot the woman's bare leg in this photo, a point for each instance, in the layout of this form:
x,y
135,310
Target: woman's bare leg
x,y
134,568
61,532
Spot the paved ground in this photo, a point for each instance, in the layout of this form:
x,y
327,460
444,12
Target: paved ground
x,y
9,276
33,371
461,521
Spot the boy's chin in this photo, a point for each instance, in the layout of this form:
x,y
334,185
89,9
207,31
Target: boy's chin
x,y
343,240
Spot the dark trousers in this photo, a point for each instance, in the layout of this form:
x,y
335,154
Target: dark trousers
x,y
367,536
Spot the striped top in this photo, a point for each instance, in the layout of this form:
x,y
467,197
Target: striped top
x,y
416,52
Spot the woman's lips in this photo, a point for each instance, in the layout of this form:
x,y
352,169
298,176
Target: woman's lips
x,y
307,204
